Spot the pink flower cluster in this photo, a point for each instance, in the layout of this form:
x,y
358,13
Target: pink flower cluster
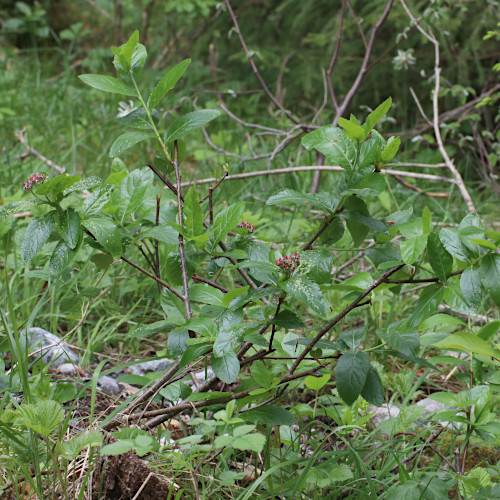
x,y
34,180
289,263
247,224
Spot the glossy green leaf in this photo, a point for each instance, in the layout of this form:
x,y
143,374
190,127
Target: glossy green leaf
x,y
36,235
224,222
453,244
127,140
19,207
470,285
489,270
226,367
307,292
465,341
334,144
124,53
439,258
352,130
426,305
61,257
108,84
69,226
189,122
167,83
261,374
106,233
269,414
412,249
391,149
376,115
401,337
97,199
316,383
57,185
193,221
373,391
350,374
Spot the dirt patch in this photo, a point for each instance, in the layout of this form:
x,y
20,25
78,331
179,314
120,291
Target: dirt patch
x,y
122,476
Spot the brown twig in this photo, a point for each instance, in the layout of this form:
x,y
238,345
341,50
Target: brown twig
x,y
213,284
341,316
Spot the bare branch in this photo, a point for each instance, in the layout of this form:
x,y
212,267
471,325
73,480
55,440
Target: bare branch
x,y
435,107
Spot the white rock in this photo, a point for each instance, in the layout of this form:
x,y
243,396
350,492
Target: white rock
x,y
156,365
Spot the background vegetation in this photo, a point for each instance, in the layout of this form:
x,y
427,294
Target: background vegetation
x,y
277,72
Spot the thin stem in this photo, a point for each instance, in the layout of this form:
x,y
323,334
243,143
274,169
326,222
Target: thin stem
x,y
185,279
213,284
341,316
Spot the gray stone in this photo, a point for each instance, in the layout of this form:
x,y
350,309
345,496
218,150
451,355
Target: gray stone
x,y
53,350
430,406
382,413
68,369
156,365
109,385
200,375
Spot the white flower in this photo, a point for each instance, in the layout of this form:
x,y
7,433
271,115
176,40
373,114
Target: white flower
x,y
124,108
404,59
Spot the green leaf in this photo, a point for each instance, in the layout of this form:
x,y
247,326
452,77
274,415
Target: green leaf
x,y
19,207
69,227
390,151
193,213
325,201
334,144
61,257
85,183
373,391
177,341
376,115
167,83
307,292
268,414
226,367
452,242
426,305
224,222
129,195
57,185
127,140
487,331
316,265
489,270
357,229
117,448
261,374
36,235
412,249
137,61
316,383
470,285
106,233
401,337
205,294
350,373
124,53
483,243
189,122
97,199
72,448
465,341
108,84
439,258
352,130
44,417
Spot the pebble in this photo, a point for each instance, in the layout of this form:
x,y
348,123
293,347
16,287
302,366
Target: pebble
x,y
54,351
383,412
68,369
156,365
109,385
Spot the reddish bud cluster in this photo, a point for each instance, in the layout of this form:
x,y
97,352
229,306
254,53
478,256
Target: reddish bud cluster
x,y
34,180
247,224
289,263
